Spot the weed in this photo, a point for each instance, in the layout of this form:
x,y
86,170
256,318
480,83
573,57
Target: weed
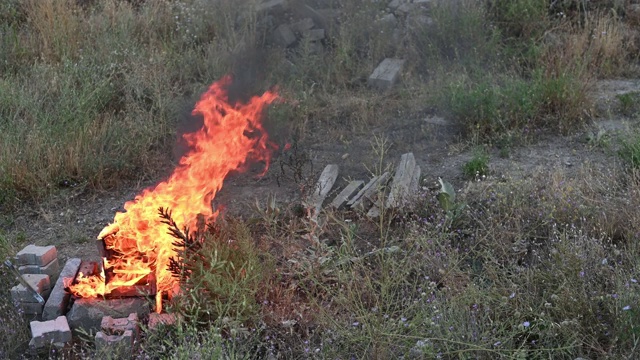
x,y
628,103
630,150
478,166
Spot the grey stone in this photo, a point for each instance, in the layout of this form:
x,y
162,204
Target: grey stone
x,y
87,314
386,74
284,36
52,331
36,255
346,194
59,298
314,34
31,308
271,6
303,25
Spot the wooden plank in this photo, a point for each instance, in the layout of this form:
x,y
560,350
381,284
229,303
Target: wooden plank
x,y
400,192
346,194
322,187
368,194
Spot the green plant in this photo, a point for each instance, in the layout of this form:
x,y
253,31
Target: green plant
x,y
630,150
477,166
628,103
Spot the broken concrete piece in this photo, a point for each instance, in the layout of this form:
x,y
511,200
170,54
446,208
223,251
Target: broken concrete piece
x,y
401,191
59,298
346,194
369,192
322,188
47,332
284,36
36,255
88,313
386,74
120,345
117,326
31,308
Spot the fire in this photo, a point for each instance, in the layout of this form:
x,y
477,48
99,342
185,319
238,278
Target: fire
x,y
231,135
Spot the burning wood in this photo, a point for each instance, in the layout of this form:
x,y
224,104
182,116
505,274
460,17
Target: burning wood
x,y
136,248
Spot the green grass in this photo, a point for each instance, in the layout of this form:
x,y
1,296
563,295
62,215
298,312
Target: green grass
x,y
478,166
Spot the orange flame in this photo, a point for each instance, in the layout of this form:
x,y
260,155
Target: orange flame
x,y
231,135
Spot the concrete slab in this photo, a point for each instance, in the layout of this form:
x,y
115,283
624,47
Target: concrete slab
x,y
36,255
156,320
59,298
52,269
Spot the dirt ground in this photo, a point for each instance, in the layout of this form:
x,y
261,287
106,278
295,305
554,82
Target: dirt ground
x,y
72,219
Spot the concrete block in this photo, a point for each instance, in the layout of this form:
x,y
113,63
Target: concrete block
x,y
346,194
52,331
156,320
120,346
88,313
36,255
386,74
117,326
39,282
30,308
284,36
59,298
52,269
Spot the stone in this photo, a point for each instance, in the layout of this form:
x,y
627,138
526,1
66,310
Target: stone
x,y
164,319
437,120
401,192
39,282
323,18
117,326
314,34
87,314
389,20
36,255
343,197
118,345
46,332
303,25
270,6
52,269
386,74
394,4
323,186
59,298
369,193
405,8
284,36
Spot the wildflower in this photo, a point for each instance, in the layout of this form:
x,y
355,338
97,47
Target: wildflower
x,y
497,343
526,324
626,308
356,323
513,294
